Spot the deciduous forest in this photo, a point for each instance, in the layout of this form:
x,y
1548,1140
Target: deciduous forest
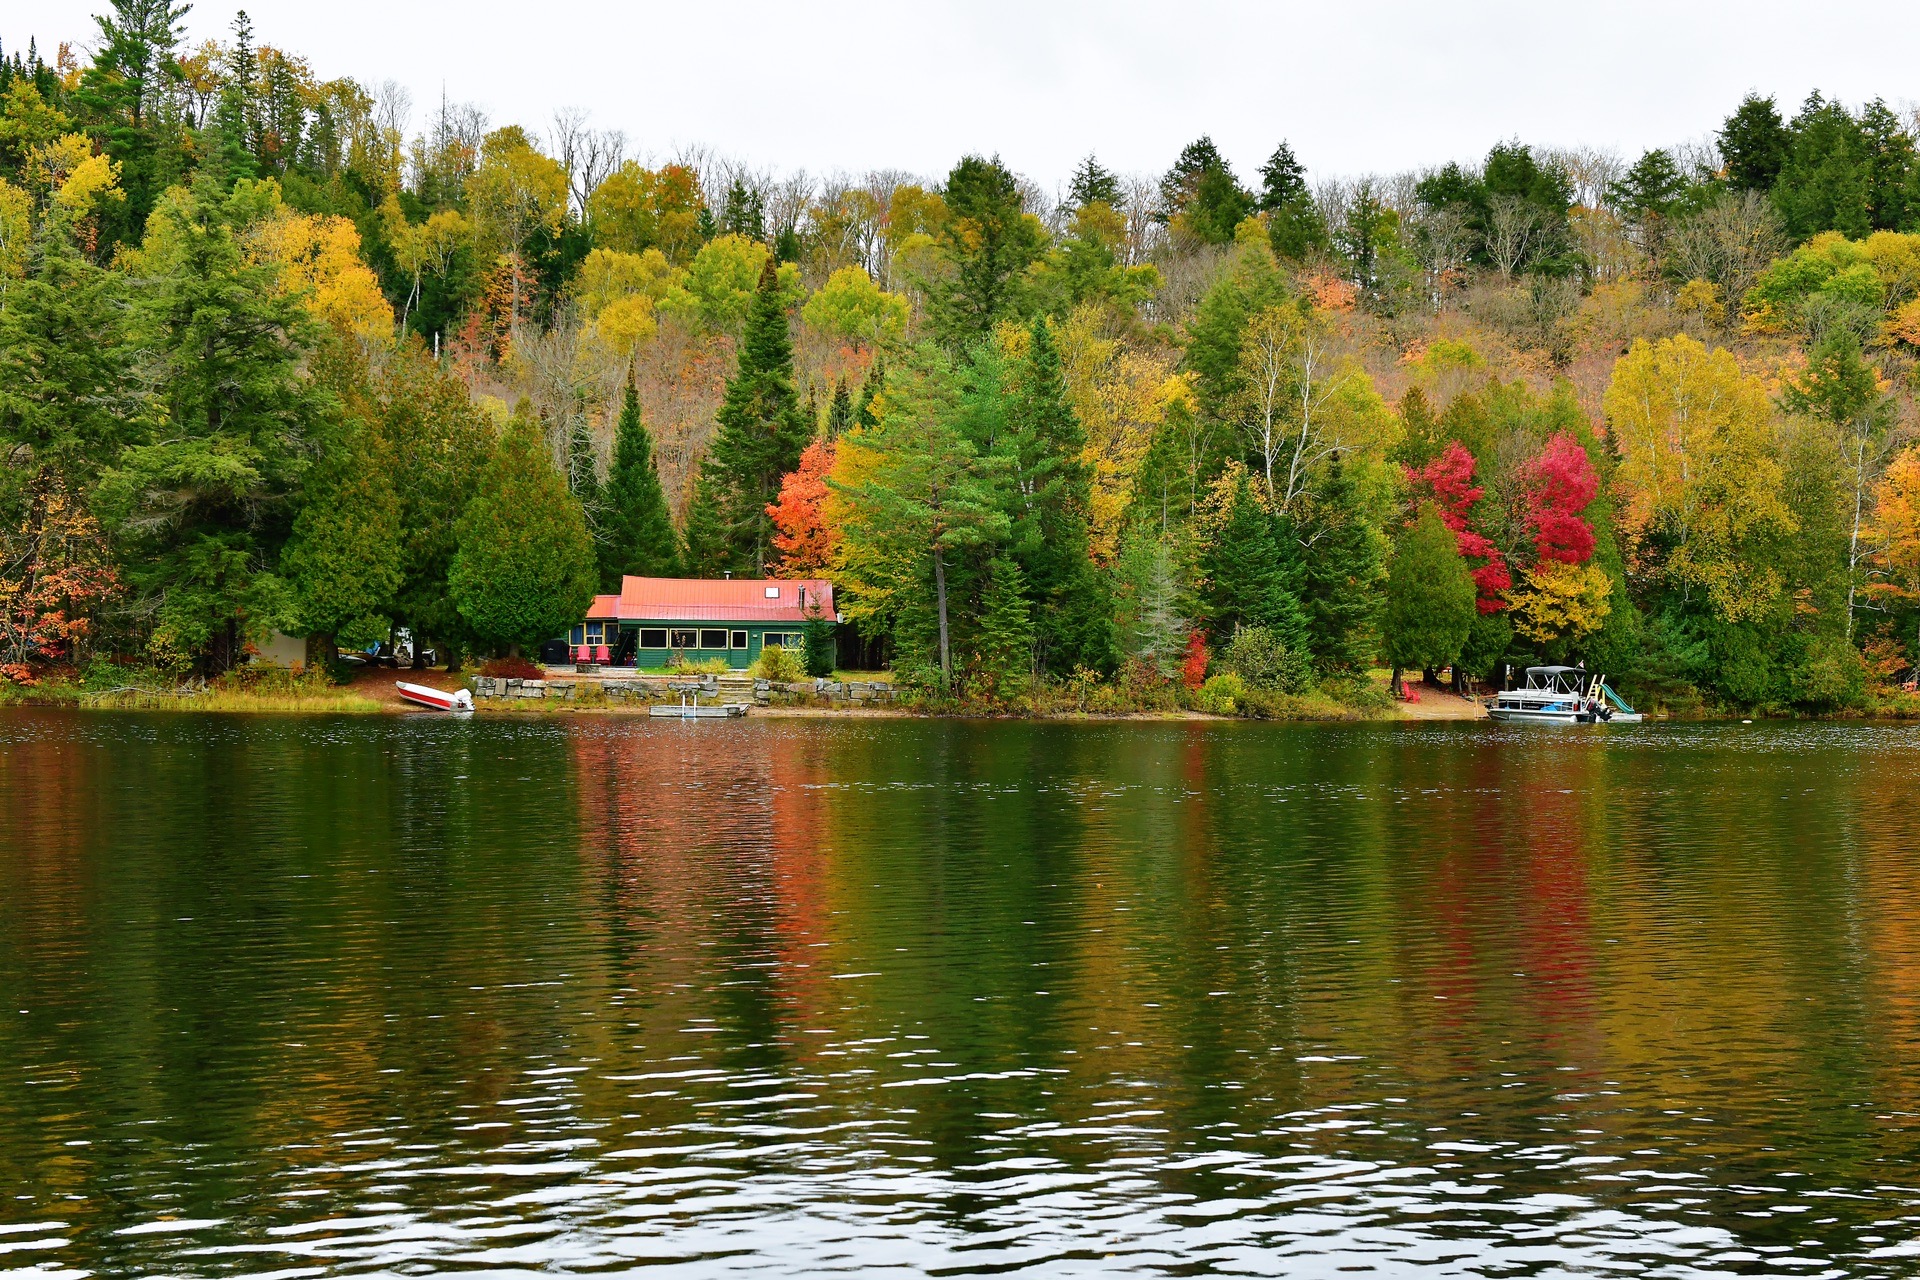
x,y
280,352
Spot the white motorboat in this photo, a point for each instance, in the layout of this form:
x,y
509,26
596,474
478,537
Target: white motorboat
x,y
438,699
1561,695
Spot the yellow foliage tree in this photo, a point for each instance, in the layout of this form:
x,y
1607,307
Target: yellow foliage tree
x,y
1560,601
851,307
1120,393
1699,458
1895,530
319,259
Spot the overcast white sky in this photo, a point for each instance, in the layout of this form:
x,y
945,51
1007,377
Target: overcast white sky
x,y
858,84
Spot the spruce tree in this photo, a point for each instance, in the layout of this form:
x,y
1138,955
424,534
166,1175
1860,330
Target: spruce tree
x,y
1052,523
1006,644
636,527
524,572
1754,143
1343,574
704,554
840,411
761,433
987,242
1244,571
1294,225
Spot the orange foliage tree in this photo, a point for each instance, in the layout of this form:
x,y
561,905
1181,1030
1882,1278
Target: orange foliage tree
x,y
802,533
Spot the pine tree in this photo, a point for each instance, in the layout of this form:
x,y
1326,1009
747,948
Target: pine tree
x,y
870,388
1343,574
1430,598
637,528
524,572
761,432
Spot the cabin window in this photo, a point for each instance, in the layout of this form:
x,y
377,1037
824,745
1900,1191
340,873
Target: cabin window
x,y
773,593
713,639
593,633
781,640
686,639
739,639
653,638
576,639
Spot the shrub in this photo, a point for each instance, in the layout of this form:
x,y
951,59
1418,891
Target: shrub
x,y
1221,695
681,664
512,669
778,665
1261,658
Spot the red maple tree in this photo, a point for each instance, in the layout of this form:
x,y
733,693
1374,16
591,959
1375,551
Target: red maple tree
x,y
1560,484
805,540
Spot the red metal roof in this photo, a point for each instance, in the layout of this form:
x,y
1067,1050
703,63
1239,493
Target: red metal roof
x,y
715,600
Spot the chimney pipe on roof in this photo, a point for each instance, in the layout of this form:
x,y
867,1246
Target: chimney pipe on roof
x,y
728,573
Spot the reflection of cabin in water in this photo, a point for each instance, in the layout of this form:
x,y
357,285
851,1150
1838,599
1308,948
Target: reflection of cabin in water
x,y
700,618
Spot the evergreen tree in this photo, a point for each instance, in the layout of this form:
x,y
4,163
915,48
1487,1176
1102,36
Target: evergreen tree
x,y
821,648
870,388
1294,225
987,243
68,396
761,432
1201,196
1825,181
745,213
1244,576
840,411
1052,523
524,572
637,527
704,554
344,561
1430,598
1753,142
1093,183
1343,574
123,96
1006,648
201,514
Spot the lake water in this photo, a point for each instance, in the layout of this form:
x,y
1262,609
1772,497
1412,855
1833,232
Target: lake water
x,y
321,997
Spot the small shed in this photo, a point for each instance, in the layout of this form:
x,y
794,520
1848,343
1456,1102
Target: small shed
x,y
732,619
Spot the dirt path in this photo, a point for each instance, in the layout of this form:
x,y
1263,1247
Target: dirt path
x,y
1438,704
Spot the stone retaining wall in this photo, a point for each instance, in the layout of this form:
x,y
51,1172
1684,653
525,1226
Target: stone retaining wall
x,y
711,689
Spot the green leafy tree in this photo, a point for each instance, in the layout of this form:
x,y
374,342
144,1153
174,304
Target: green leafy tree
x,y
762,430
636,527
524,572
985,246
1430,598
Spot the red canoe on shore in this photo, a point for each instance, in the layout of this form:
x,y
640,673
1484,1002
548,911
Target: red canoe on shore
x,y
438,699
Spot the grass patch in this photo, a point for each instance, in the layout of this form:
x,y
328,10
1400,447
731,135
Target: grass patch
x,y
108,687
